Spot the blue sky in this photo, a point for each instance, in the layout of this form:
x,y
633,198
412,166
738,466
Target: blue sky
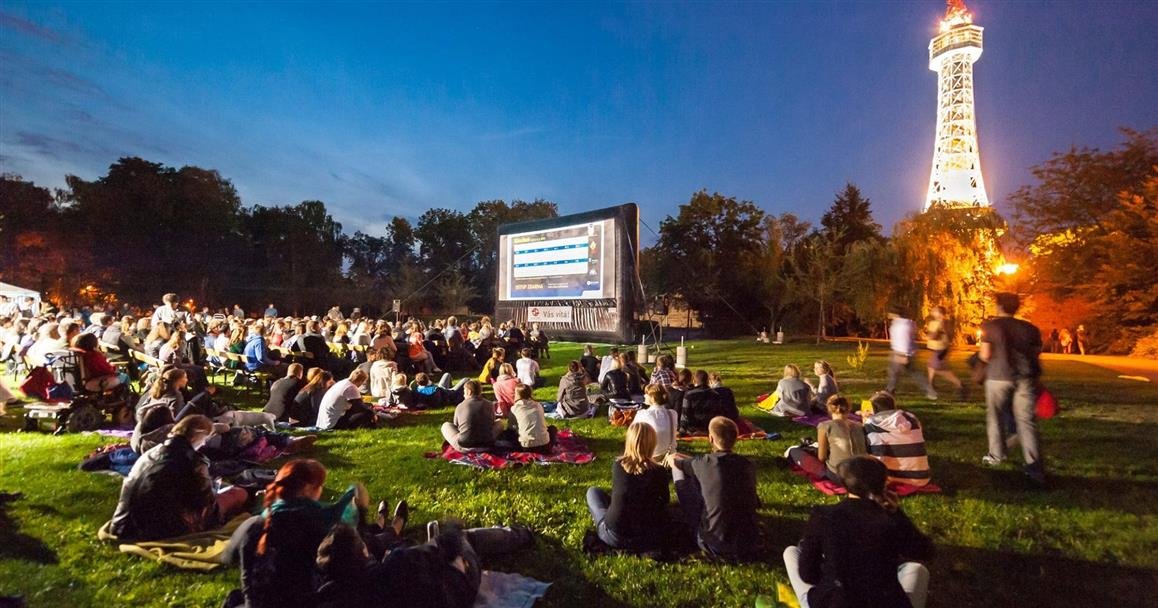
x,y
389,109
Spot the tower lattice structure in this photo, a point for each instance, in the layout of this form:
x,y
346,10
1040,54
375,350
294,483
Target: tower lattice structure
x,y
956,180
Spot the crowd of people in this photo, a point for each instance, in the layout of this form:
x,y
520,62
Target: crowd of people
x,y
299,546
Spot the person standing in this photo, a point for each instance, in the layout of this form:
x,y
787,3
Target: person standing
x,y
937,341
1011,348
901,359
1081,339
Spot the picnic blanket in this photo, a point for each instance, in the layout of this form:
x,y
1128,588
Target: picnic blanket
x,y
747,429
506,590
833,489
814,420
202,551
569,449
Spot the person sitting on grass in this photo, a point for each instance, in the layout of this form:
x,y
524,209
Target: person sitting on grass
x,y
607,363
308,401
527,428
837,440
505,389
859,550
724,397
717,494
636,379
283,391
825,386
527,368
169,493
400,394
664,373
342,406
615,384
572,396
795,394
634,516
679,388
474,425
895,437
490,369
590,364
656,415
701,405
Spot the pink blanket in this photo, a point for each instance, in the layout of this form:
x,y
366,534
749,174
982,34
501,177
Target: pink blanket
x,y
569,449
833,489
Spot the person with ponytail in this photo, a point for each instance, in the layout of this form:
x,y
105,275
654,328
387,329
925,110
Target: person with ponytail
x,y
169,493
858,551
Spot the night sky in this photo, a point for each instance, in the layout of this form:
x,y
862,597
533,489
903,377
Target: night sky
x,y
382,109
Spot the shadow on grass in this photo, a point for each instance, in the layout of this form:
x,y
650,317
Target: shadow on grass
x,y
965,576
16,545
563,566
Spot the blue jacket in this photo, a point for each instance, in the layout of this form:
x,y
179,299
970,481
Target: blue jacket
x,y
256,352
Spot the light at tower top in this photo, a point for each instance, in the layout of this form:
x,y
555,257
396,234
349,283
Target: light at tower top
x,y
955,180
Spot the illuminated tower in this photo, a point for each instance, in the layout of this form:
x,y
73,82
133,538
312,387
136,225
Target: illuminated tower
x,y
955,180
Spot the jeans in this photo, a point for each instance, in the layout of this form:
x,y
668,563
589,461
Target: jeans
x,y
597,502
914,579
1016,399
812,465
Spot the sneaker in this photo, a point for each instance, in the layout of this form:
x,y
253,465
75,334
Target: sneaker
x,y
931,395
431,531
990,460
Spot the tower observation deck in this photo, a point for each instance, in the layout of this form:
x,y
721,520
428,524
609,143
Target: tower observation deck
x,y
955,180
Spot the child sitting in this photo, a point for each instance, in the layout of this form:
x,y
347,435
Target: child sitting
x,y
837,440
400,394
896,439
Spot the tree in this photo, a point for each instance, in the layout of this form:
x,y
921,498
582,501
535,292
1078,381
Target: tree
x,y
1084,221
296,252
850,216
779,286
869,276
27,214
444,238
706,253
485,219
818,271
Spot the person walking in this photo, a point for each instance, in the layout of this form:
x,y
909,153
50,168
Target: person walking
x,y
938,341
1011,348
901,332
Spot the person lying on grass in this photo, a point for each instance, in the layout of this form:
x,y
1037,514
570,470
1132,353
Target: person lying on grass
x,y
276,550
427,394
169,493
633,517
837,440
444,572
717,494
858,551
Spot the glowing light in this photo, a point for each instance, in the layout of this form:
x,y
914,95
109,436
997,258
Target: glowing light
x,y
1007,269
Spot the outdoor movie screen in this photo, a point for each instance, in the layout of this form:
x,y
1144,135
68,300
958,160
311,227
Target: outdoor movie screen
x,y
573,275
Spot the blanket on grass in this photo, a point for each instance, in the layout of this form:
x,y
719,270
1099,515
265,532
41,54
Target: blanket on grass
x,y
833,489
506,590
748,430
202,551
555,414
569,449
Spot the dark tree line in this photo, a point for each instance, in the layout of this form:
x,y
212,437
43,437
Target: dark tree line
x,y
144,229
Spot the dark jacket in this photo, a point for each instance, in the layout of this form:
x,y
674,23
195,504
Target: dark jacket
x,y
851,552
616,385
421,577
572,396
168,493
701,404
281,395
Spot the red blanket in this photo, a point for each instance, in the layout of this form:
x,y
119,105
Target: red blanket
x,y
569,449
746,428
833,489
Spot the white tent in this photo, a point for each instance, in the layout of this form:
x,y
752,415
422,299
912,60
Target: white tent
x,y
21,296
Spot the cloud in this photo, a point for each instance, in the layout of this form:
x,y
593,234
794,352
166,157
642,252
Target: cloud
x,y
11,22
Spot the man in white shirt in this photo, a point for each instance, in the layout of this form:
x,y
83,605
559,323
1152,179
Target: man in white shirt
x,y
167,312
342,406
901,359
527,369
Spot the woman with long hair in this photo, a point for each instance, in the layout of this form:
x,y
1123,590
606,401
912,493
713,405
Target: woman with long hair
x,y
826,385
634,515
858,551
97,373
795,394
504,386
308,400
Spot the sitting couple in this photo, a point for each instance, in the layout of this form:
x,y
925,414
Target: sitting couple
x,y
716,493
474,427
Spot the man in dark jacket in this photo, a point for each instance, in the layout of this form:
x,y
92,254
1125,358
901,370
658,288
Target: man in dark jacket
x,y
169,492
717,494
283,391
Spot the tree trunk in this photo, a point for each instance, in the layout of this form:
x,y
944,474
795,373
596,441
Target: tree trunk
x,y
820,321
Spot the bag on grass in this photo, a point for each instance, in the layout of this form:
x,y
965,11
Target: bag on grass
x,y
1047,406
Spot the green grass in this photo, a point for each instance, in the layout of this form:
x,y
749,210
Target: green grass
x,y
1090,540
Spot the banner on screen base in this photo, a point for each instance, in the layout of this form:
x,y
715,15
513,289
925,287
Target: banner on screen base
x,y
549,314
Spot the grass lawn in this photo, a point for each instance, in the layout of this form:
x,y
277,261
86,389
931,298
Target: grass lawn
x,y
1090,540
